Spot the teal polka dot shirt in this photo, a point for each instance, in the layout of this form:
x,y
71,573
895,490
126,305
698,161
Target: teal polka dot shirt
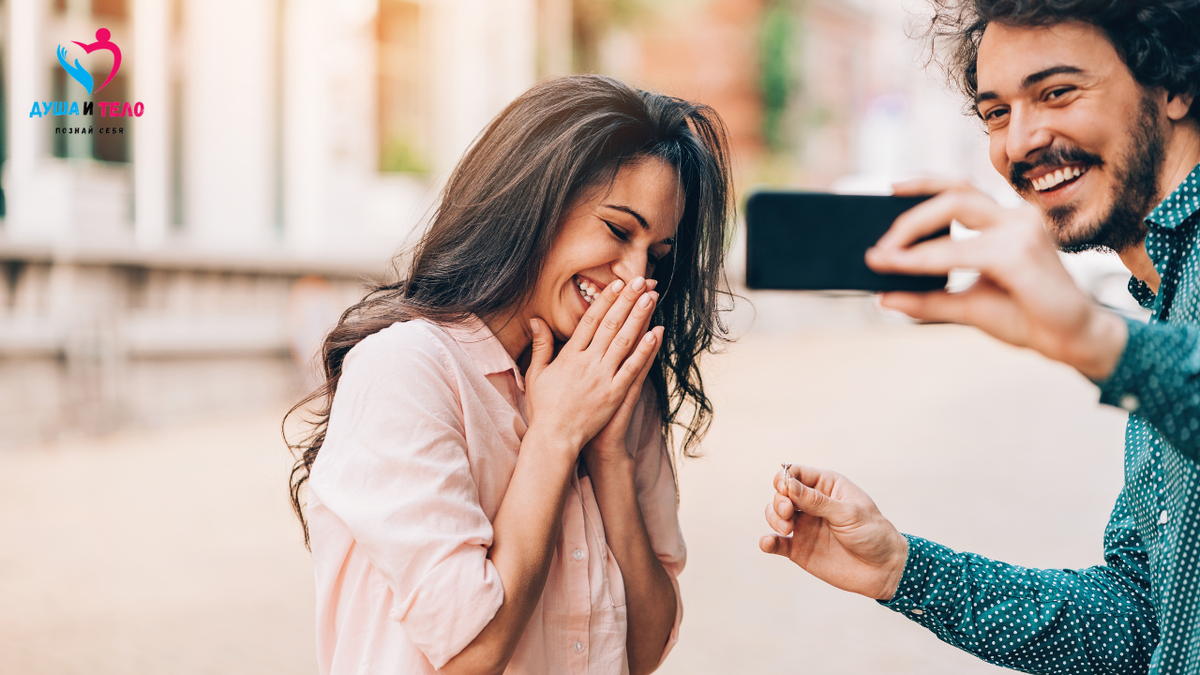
x,y
1140,611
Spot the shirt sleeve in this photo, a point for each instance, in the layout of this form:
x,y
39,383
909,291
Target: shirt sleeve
x,y
394,469
658,498
1158,377
1096,620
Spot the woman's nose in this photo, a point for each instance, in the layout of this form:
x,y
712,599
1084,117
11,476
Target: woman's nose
x,y
631,266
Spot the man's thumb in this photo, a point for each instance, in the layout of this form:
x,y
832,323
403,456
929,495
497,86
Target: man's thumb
x,y
810,501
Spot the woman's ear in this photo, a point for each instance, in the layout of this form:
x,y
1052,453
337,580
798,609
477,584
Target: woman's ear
x,y
1179,104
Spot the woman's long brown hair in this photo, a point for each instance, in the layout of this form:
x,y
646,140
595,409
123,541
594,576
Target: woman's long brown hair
x,y
499,214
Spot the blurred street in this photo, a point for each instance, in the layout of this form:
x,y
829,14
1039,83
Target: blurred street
x,y
173,551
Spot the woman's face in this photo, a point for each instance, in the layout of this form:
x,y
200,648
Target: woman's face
x,y
607,235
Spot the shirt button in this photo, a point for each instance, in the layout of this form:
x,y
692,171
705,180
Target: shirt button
x,y
1164,517
918,612
578,554
578,646
1130,402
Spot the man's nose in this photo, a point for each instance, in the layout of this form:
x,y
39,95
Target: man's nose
x,y
1027,135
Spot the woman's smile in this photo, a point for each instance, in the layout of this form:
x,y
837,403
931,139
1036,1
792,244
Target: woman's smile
x,y
587,290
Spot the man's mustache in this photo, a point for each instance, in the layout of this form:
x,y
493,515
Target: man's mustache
x,y
1052,156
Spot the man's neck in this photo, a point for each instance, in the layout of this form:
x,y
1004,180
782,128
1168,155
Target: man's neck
x,y
1183,154
1138,262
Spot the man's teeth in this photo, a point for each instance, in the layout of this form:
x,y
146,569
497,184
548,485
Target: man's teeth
x,y
588,291
1053,180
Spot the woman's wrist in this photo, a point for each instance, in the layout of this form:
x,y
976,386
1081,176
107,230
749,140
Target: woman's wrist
x,y
551,444
613,462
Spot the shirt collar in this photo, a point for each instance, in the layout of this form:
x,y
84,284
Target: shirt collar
x,y
483,347
1180,205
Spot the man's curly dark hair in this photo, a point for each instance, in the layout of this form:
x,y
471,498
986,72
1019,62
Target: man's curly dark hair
x,y
1158,40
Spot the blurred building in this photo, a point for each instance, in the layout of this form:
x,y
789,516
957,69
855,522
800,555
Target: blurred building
x,y
285,151
821,93
187,259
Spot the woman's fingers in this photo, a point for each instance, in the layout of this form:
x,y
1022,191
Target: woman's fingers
x,y
615,318
634,327
646,348
594,316
625,410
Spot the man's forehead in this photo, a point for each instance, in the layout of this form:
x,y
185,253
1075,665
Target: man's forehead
x,y
1010,55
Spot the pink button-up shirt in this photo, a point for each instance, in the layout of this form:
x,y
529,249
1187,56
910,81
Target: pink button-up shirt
x,y
422,442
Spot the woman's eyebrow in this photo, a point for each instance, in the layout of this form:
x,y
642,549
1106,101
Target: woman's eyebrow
x,y
670,241
635,214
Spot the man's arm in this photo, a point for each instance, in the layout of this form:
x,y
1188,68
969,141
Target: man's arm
x,y
1158,377
1097,620
1026,298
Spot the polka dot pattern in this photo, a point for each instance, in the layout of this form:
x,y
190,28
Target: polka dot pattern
x,y
1140,611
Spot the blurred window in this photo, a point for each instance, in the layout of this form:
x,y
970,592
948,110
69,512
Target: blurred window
x,y
112,147
110,9
116,9
401,141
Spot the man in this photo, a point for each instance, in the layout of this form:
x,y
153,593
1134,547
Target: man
x,y
1088,107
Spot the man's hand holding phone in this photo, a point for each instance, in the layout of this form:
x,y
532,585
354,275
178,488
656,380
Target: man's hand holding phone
x,y
1024,295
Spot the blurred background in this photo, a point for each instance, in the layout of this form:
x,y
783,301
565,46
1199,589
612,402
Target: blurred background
x,y
164,290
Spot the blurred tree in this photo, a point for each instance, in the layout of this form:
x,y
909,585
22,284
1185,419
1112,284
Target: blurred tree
x,y
779,77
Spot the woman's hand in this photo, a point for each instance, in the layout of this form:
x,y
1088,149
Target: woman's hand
x,y
608,447
573,395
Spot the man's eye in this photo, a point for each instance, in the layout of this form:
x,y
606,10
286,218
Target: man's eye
x,y
1057,93
994,114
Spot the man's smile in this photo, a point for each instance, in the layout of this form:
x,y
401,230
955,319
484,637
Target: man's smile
x,y
1046,179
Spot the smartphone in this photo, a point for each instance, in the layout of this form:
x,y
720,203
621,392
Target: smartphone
x,y
813,241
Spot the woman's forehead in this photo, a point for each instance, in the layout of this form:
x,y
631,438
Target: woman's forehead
x,y
650,187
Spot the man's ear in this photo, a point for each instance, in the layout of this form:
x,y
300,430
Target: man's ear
x,y
1178,105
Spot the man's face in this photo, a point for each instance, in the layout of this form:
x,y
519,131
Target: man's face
x,y
1072,131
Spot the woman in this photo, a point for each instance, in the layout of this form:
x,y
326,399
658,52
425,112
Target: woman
x,y
489,485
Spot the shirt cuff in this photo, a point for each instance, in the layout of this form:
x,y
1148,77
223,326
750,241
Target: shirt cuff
x,y
929,567
453,604
1157,361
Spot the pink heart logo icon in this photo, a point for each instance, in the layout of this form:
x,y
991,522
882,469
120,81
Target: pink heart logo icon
x,y
103,42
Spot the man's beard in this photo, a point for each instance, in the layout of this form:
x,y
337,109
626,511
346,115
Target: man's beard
x,y
1134,193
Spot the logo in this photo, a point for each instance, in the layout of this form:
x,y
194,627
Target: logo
x,y
79,73
88,81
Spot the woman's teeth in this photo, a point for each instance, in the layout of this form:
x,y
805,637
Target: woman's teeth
x,y
1053,180
587,290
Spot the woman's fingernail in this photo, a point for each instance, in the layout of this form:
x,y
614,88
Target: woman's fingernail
x,y
645,301
533,325
639,283
651,283
617,286
649,337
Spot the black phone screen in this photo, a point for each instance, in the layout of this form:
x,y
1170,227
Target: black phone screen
x,y
816,241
